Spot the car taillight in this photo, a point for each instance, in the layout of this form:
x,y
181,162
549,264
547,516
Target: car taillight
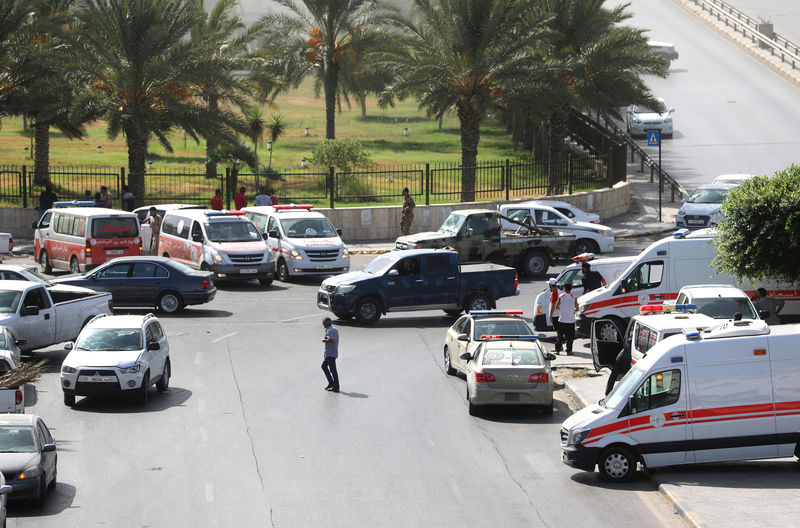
x,y
18,397
88,247
10,243
516,280
204,284
539,377
484,377
111,305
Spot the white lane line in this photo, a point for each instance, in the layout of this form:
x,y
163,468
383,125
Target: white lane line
x,y
210,491
217,340
298,318
198,357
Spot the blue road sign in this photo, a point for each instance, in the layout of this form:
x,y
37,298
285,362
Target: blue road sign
x,y
653,138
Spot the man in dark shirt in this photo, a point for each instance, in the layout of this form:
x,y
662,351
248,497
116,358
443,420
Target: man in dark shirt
x,y
591,279
46,199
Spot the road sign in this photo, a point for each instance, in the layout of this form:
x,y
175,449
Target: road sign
x,y
653,138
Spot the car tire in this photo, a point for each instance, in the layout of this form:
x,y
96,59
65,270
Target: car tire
x,y
368,310
547,409
616,464
41,493
74,265
535,263
344,316
448,365
53,482
478,301
163,384
69,400
472,409
169,302
453,313
44,262
585,245
282,271
141,394
266,282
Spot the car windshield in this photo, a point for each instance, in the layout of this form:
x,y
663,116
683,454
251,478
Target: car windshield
x,y
495,327
512,357
719,308
114,227
639,109
709,196
105,339
34,276
17,439
9,300
380,265
308,228
232,232
453,223
622,388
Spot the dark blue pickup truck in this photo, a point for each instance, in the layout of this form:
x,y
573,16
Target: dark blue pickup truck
x,y
419,279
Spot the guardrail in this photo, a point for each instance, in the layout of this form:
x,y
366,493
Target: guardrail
x,y
751,28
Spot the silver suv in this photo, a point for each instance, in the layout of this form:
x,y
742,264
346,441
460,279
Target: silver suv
x,y
117,354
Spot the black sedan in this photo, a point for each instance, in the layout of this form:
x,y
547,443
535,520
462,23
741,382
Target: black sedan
x,y
147,281
27,457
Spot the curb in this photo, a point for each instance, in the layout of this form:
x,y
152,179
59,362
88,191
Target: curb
x,y
672,499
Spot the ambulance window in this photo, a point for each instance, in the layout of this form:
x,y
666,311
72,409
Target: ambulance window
x,y
644,338
273,224
197,232
79,227
45,221
659,390
169,226
643,277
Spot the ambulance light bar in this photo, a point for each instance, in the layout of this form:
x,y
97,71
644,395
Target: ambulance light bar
x,y
583,257
666,308
509,337
495,312
292,206
75,203
225,213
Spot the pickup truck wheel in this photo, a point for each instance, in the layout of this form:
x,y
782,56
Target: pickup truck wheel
x,y
586,245
170,302
368,310
163,384
616,464
453,313
74,266
535,263
44,262
344,316
69,400
142,395
478,301
282,271
448,367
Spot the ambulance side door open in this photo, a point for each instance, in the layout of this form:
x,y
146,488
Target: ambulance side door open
x,y
195,246
605,348
658,417
643,285
274,243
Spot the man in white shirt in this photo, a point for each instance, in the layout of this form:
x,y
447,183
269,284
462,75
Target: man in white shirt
x,y
566,306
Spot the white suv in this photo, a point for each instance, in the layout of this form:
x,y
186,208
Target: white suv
x,y
117,354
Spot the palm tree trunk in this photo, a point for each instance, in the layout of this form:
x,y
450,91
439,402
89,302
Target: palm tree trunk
x,y
330,81
41,161
363,101
470,136
211,144
440,118
558,129
137,152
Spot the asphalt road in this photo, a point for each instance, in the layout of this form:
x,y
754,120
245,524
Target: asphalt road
x,y
247,436
733,112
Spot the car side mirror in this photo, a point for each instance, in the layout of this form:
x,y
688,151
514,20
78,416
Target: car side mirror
x,y
35,224
671,110
463,337
29,310
549,356
48,448
4,489
339,231
393,273
466,356
69,345
274,234
153,345
21,342
763,314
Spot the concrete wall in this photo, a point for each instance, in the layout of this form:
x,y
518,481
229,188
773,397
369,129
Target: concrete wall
x,y
364,224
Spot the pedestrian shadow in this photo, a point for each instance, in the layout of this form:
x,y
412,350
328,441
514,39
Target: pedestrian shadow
x,y
354,394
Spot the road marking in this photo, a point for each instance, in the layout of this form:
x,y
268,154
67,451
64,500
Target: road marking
x,y
198,358
217,340
210,491
298,318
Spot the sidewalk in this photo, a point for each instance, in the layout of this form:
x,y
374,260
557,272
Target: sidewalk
x,y
742,494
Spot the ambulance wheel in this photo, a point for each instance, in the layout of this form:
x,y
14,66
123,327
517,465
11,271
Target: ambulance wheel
x,y
610,329
74,266
282,271
616,464
585,245
368,310
44,262
535,263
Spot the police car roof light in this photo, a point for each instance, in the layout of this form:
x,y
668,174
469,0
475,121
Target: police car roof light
x,y
224,213
692,335
75,203
681,233
495,312
292,206
493,336
583,257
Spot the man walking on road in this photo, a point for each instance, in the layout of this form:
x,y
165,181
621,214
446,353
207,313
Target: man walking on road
x,y
566,306
331,341
407,212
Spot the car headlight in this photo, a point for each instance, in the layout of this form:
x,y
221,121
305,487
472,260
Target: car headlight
x,y
295,255
582,308
681,212
30,472
345,253
345,288
578,436
716,211
668,120
66,369
636,119
213,257
133,369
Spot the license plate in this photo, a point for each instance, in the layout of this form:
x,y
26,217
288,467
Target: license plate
x,y
95,379
324,266
115,251
248,270
694,222
512,396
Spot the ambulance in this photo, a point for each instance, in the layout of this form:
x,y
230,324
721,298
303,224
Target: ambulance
x,y
304,241
723,394
77,236
658,274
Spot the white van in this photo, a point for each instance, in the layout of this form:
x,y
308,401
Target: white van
x,y
724,394
589,238
660,271
304,241
224,242
609,268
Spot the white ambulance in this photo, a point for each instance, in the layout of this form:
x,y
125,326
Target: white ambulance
x,y
723,394
658,274
304,241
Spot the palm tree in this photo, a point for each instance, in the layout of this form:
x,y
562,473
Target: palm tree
x,y
318,37
276,128
592,63
13,21
255,128
459,54
144,77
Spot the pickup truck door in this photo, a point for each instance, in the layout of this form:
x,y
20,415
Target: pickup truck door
x,y
441,275
480,238
406,285
39,326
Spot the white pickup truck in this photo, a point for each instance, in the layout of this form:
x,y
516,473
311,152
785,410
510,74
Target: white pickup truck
x,y
42,316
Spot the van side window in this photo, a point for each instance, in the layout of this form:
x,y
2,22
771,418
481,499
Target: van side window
x,y
64,224
272,225
79,227
184,224
659,390
644,338
45,221
197,232
169,226
645,276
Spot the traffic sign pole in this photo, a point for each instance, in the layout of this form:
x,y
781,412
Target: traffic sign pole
x,y
653,140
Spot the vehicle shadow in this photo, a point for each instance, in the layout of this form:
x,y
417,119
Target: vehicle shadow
x,y
157,401
756,474
524,415
248,286
189,313
639,482
402,322
58,499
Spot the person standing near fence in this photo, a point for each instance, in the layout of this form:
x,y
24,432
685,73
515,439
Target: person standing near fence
x,y
216,200
273,197
127,199
262,198
407,212
46,199
105,196
240,200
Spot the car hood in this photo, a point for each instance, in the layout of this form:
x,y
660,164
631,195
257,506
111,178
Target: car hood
x,y
86,358
426,236
593,414
651,116
313,243
700,208
586,226
240,247
347,278
67,283
16,462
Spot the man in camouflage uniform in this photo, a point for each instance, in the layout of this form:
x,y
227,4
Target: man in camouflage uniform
x,y
407,212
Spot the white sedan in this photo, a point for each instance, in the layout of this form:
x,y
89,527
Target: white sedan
x,y
639,119
571,212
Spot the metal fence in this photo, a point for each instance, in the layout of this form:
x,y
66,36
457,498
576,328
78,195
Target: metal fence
x,y
428,183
